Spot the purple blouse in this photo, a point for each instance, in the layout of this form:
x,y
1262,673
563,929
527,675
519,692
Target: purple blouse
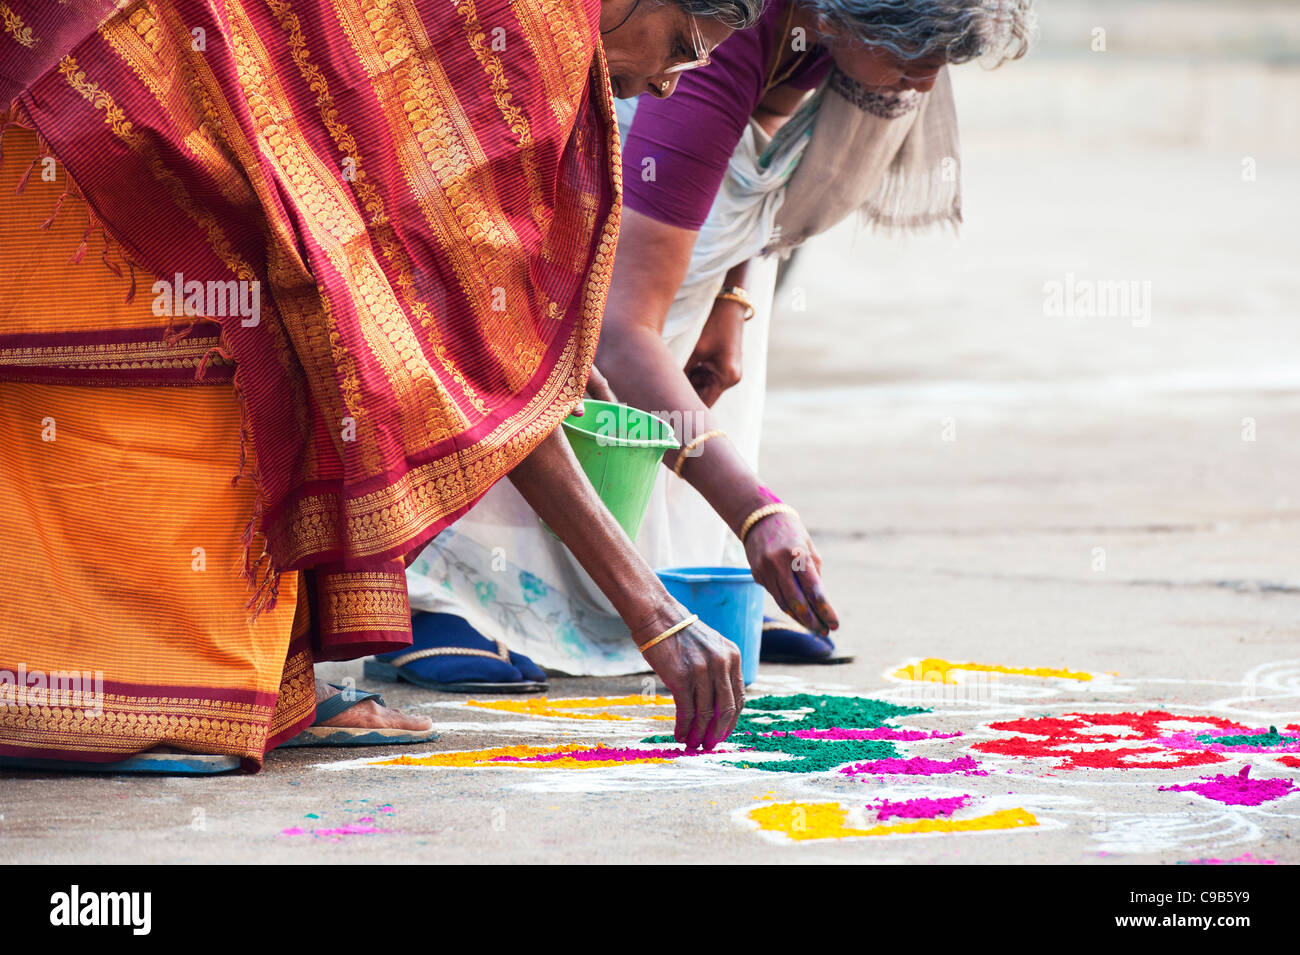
x,y
692,134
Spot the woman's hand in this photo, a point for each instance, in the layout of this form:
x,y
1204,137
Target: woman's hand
x,y
598,387
702,671
700,668
715,364
784,560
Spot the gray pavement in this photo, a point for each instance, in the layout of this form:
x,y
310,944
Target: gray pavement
x,y
1113,496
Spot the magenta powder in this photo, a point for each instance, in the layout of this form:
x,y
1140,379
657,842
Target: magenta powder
x,y
598,754
1244,859
881,732
1185,740
1239,790
916,766
348,830
919,808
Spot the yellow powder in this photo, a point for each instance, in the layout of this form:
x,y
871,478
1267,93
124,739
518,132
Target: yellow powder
x,y
934,670
826,820
545,706
487,757
476,757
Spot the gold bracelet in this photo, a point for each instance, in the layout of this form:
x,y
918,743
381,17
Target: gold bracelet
x,y
734,293
767,510
699,440
669,632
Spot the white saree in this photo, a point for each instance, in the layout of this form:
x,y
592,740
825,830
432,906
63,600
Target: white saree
x,y
514,582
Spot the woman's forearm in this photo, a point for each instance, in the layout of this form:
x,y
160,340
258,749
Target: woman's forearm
x,y
551,481
646,376
639,365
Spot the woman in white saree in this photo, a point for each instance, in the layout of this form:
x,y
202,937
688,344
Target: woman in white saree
x,y
858,117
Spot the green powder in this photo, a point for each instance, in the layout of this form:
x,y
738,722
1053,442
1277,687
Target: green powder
x,y
1271,738
848,712
811,755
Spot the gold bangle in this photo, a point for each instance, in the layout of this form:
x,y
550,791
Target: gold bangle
x,y
767,510
699,440
669,632
734,293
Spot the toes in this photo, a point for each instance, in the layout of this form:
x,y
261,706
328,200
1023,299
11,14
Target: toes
x,y
527,668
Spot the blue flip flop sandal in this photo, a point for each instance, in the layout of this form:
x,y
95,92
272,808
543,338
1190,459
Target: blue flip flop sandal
x,y
450,656
161,764
317,735
786,643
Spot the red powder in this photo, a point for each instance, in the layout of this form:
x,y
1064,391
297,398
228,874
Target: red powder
x,y
1071,738
1292,761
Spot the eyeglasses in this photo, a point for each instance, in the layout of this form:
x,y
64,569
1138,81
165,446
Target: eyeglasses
x,y
701,51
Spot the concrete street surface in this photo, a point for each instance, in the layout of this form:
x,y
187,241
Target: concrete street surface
x,y
1097,512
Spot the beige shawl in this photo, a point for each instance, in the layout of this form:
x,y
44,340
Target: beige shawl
x,y
893,158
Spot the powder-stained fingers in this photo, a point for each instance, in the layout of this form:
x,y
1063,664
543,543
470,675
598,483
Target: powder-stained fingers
x,y
724,704
737,691
703,702
810,585
683,701
792,601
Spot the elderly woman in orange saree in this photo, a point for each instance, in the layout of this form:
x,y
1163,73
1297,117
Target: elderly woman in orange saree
x,y
352,262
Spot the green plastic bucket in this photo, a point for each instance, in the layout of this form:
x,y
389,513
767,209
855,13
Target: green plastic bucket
x,y
620,448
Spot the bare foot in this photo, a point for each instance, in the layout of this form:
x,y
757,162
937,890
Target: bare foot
x,y
370,715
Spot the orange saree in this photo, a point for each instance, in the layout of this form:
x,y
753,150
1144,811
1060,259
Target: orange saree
x,y
354,253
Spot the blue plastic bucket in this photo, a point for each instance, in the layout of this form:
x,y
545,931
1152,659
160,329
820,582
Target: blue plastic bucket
x,y
728,600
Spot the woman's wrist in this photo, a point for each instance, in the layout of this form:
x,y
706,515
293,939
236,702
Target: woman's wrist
x,y
653,617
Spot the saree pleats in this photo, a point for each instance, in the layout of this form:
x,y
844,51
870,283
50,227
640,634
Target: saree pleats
x,y
353,254
119,552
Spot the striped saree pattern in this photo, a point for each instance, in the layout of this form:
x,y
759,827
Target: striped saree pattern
x,y
424,200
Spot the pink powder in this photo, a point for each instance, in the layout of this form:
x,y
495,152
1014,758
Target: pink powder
x,y
596,755
1244,859
1239,790
883,732
352,829
1185,740
916,766
919,808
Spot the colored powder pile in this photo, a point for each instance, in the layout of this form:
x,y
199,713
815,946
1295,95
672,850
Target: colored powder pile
x,y
817,732
824,712
919,808
601,754
883,732
1239,790
807,755
1292,761
564,756
935,670
916,766
828,820
477,757
1244,859
567,708
1270,739
1078,739
333,835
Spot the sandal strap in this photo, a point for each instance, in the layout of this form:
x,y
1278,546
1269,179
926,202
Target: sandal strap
x,y
503,654
332,706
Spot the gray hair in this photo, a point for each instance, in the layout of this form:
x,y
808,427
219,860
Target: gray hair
x,y
737,14
993,31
